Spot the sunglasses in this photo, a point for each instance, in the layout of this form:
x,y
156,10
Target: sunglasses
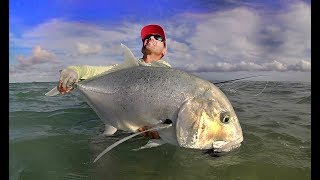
x,y
156,36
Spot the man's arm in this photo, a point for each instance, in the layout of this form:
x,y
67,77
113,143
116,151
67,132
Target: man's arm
x,y
85,72
74,74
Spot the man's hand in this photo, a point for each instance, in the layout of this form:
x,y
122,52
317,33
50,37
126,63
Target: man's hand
x,y
150,134
67,78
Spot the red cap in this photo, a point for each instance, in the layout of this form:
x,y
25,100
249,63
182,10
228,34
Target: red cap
x,y
152,29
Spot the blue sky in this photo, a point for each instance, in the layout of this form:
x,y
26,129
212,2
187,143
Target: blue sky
x,y
223,39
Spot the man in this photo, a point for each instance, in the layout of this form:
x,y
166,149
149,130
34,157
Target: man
x,y
153,49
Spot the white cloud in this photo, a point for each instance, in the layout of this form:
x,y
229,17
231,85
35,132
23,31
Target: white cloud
x,y
297,31
63,36
242,39
177,46
232,40
40,65
38,56
275,66
85,49
228,35
70,43
302,65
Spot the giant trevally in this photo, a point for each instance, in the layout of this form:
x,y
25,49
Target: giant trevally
x,y
186,110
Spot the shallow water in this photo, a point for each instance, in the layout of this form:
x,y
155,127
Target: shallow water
x,y
58,138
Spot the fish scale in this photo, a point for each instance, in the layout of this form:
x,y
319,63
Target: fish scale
x,y
150,87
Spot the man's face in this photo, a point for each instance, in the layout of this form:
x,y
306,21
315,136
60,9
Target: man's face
x,y
154,44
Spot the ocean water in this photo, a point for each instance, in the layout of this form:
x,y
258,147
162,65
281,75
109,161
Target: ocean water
x,y
59,137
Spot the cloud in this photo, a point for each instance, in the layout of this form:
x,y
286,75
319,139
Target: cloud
x,y
300,66
177,46
275,66
70,43
85,49
229,40
287,35
227,35
38,56
264,41
41,65
64,37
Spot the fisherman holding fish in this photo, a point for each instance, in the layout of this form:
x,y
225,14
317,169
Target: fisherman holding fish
x,y
153,49
177,107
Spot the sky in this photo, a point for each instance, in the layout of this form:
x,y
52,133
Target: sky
x,y
214,39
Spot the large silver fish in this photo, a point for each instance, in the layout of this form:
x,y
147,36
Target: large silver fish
x,y
200,116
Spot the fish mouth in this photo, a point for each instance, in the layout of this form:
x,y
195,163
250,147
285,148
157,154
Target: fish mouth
x,y
224,146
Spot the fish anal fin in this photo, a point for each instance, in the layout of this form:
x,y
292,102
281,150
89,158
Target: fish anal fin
x,y
151,143
109,130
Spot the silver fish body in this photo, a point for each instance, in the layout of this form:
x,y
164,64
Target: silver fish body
x,y
202,116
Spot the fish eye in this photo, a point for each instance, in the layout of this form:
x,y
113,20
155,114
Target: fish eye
x,y
225,119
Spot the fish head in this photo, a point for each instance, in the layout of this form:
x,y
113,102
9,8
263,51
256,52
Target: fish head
x,y
208,122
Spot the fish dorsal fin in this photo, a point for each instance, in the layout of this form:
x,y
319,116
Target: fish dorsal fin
x,y
129,59
157,127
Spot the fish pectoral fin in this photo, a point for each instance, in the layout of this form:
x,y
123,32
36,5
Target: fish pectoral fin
x,y
109,130
53,92
151,143
157,127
